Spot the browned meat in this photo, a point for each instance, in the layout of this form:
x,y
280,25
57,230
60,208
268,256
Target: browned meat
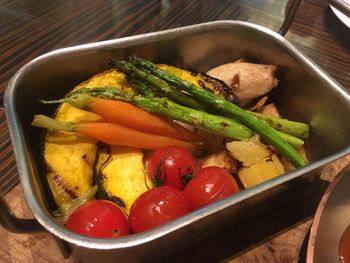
x,y
247,80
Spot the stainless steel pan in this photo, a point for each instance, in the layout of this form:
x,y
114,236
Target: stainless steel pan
x,y
305,93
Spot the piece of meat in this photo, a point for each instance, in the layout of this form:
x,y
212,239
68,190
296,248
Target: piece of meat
x,y
248,80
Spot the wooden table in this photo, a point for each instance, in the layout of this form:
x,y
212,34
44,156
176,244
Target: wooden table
x,y
32,28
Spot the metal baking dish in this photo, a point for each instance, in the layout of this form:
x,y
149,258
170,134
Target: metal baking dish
x,y
305,93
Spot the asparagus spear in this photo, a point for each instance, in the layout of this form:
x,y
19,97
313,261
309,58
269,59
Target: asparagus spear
x,y
298,129
161,85
268,133
143,88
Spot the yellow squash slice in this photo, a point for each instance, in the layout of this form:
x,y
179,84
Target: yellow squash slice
x,y
121,176
70,157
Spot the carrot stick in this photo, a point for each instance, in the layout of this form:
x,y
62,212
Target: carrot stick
x,y
128,115
112,133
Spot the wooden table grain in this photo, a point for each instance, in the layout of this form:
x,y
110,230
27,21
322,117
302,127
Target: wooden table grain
x,y
31,28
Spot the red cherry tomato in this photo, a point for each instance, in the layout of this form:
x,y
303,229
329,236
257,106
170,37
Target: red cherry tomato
x,y
98,218
171,166
210,184
157,206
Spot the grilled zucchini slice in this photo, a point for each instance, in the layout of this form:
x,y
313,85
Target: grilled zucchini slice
x,y
70,157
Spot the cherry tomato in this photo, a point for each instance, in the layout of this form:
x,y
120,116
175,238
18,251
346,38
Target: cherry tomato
x,y
210,184
171,166
98,218
156,207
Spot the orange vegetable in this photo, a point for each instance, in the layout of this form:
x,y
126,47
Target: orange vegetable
x,y
112,133
128,115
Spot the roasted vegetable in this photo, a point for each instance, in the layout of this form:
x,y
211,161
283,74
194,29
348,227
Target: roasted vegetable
x,y
259,163
121,176
269,134
261,171
247,80
203,80
165,89
70,156
248,151
127,115
297,129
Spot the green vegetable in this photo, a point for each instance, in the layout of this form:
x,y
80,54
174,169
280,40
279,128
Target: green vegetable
x,y
268,133
161,85
298,129
142,88
294,141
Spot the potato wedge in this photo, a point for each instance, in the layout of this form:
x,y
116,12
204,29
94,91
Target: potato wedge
x,y
249,151
261,171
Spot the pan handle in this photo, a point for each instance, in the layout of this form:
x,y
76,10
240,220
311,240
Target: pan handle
x,y
15,224
8,220
291,11
18,225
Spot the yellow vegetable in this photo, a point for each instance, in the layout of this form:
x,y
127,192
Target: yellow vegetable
x,y
261,171
182,73
202,80
70,157
249,151
122,176
259,163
